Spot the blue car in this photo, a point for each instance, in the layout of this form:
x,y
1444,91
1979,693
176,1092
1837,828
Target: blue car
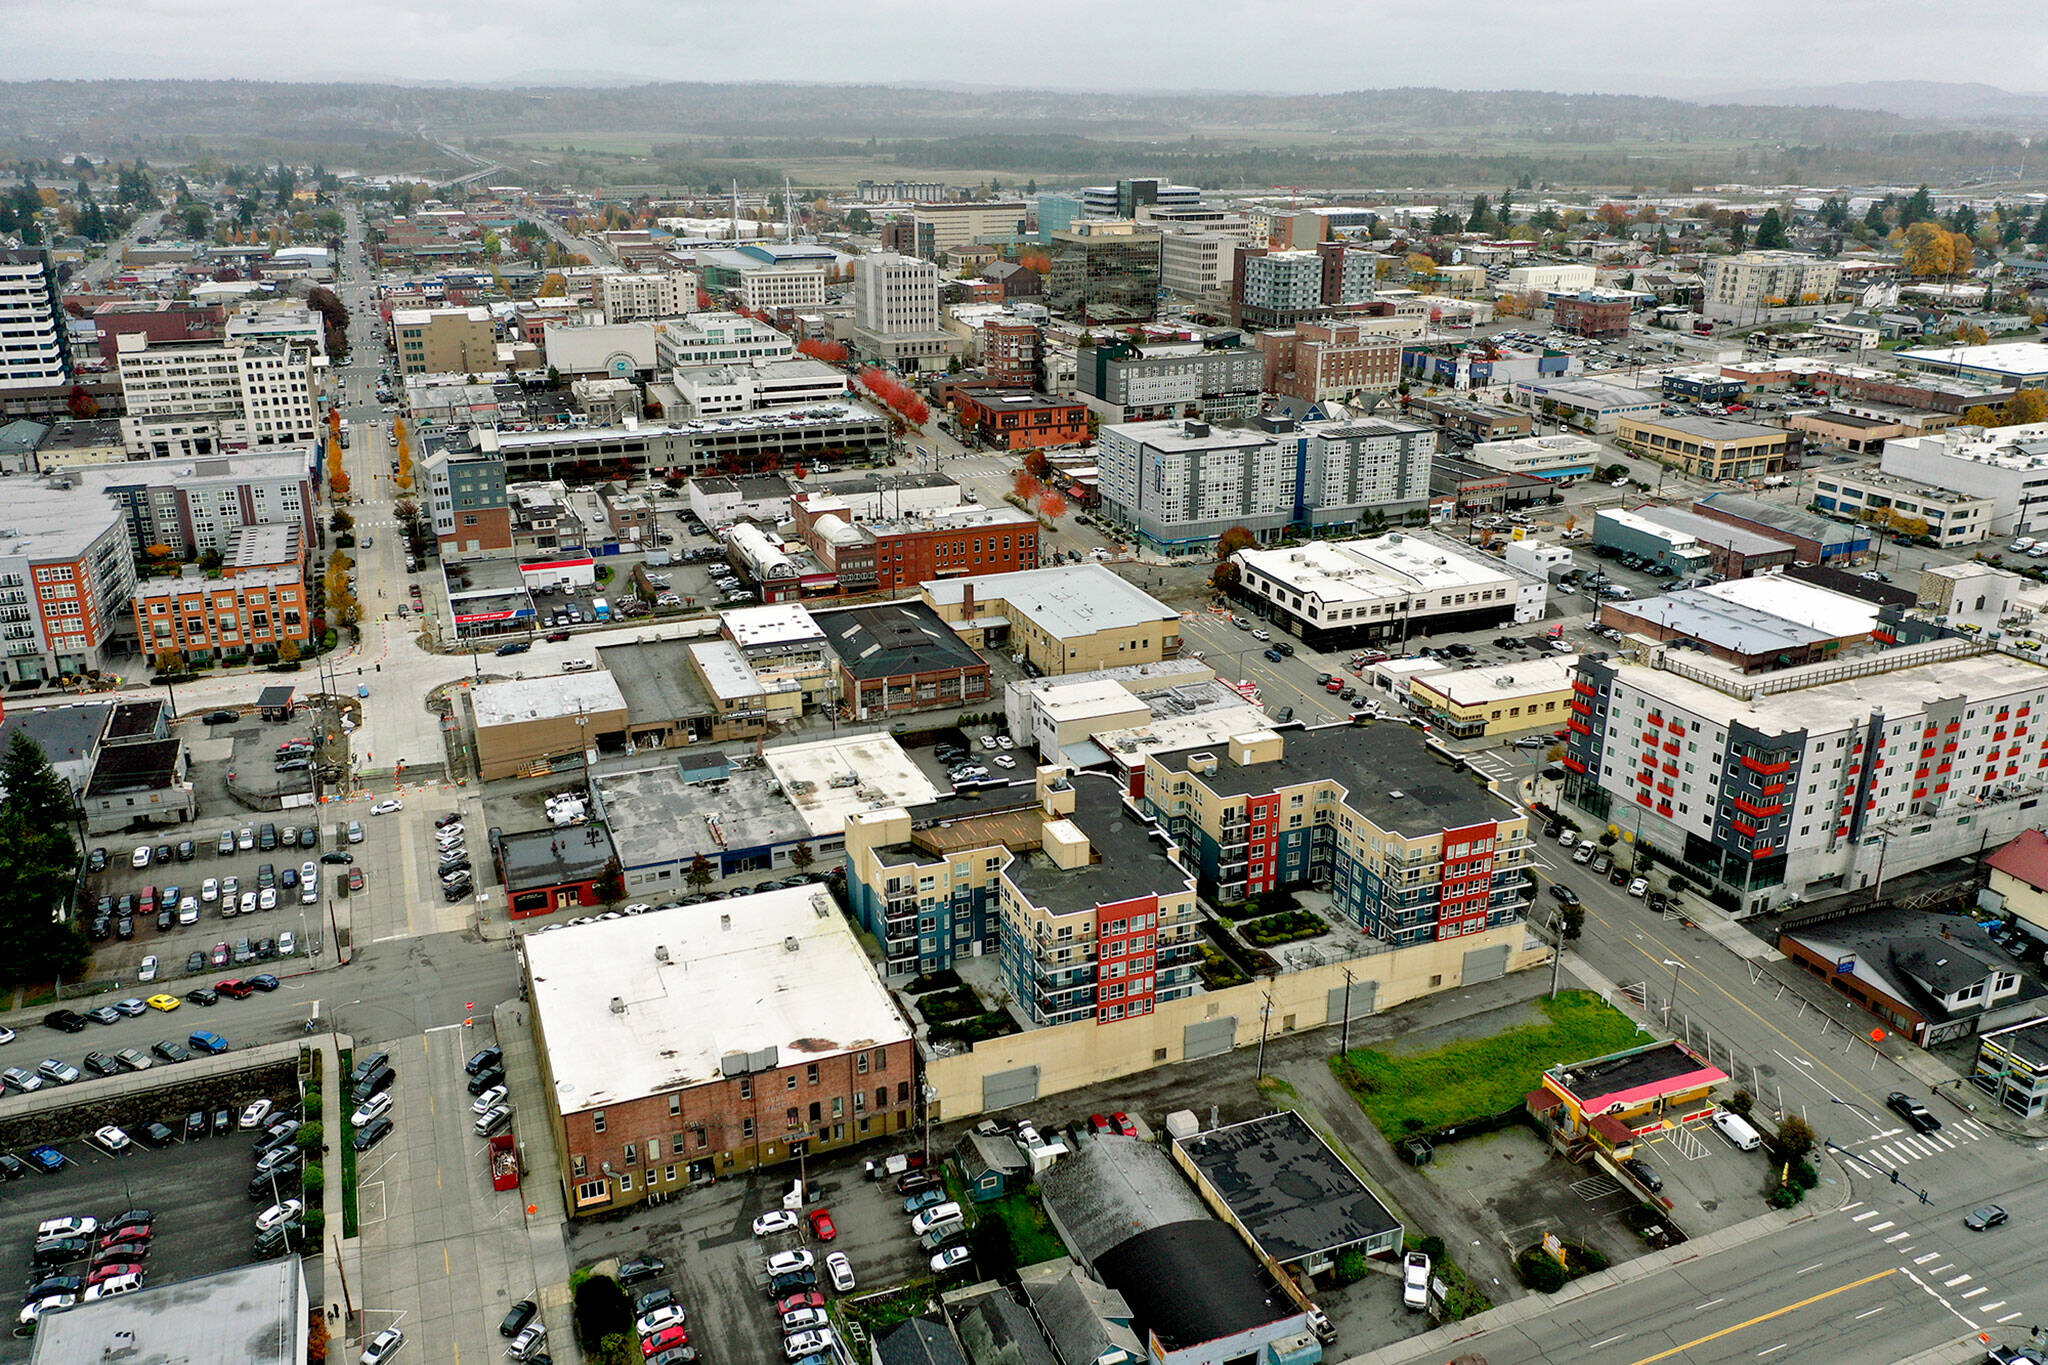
x,y
924,1199
47,1159
204,1041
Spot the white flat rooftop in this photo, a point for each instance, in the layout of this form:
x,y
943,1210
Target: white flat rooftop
x,y
776,972
546,698
2022,359
1065,602
1508,682
783,623
830,779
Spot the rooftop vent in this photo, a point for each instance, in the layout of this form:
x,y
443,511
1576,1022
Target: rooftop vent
x,y
1396,795
661,952
725,921
791,944
618,1005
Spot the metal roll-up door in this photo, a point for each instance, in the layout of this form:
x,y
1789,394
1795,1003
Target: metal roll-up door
x,y
1486,964
1209,1038
1363,994
1001,1089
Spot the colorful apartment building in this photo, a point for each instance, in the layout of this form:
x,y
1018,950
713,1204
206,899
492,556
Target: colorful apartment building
x,y
1085,903
1413,846
1023,421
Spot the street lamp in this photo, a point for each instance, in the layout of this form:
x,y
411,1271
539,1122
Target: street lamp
x,y
1674,964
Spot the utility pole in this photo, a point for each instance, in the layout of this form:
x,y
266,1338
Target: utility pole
x,y
1265,1022
1344,1031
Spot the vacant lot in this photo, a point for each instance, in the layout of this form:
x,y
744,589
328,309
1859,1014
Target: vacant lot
x,y
1404,1093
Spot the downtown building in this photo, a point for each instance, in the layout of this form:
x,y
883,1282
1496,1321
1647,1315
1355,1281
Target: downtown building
x,y
193,399
1176,486
1771,787
1413,846
1103,271
641,296
66,576
1281,288
35,350
896,313
1215,379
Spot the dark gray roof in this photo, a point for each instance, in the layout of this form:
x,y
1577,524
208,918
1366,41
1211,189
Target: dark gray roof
x,y
918,1342
997,1330
134,720
1374,761
150,765
1192,1282
1888,944
992,1152
274,696
1129,862
1073,1319
1290,1191
67,734
1945,965
895,639
1113,1188
552,857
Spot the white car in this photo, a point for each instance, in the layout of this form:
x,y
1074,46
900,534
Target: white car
x,y
106,1289
840,1270
31,1312
375,1107
490,1099
6,1035
209,890
661,1319
805,1320
266,899
287,943
255,1115
66,1227
139,858
988,741
783,1262
145,974
527,1342
385,807
1415,1280
774,1221
1639,887
111,1139
248,906
383,1346
1005,761
949,1258
577,665
277,1215
927,1219
797,1345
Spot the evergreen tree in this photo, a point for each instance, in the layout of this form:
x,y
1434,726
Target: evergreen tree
x,y
38,867
1874,219
1738,233
1481,219
1506,212
2039,236
1918,208
1770,231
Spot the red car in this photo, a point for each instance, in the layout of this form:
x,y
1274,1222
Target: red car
x,y
108,1272
1098,1124
1123,1123
665,1339
810,1298
822,1226
234,988
1334,685
124,1238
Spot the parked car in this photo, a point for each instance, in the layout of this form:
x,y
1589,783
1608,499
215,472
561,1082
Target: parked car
x,y
1415,1268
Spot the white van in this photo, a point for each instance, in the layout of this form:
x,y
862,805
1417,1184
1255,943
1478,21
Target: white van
x,y
1737,1130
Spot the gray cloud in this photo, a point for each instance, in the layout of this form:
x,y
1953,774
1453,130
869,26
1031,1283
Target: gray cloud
x,y
1296,45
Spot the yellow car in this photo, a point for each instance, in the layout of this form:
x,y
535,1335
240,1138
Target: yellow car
x,y
166,1003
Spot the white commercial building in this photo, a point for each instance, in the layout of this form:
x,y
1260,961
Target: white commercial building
x,y
1197,263
895,294
625,350
277,320
202,398
1749,284
1544,457
1775,787
791,285
33,349
1337,594
719,339
2020,363
1587,404
715,390
2008,465
1549,279
638,297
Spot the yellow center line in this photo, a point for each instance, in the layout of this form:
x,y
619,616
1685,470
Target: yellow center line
x,y
1765,1317
1789,1041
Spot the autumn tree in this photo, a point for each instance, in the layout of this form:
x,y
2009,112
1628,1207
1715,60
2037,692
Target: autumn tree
x,y
337,477
1235,539
287,651
82,404
1052,504
1038,465
1025,486
831,352
1419,264
2027,407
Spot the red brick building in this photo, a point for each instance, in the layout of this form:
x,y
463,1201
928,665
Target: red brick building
x,y
1317,361
1024,421
1011,353
1590,315
709,1040
886,555
162,321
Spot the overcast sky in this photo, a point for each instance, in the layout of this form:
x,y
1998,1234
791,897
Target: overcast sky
x,y
1294,45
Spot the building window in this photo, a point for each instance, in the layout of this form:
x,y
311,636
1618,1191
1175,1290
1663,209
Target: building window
x,y
597,1118
746,1128
860,1063
813,1073
746,1087
675,1104
632,1154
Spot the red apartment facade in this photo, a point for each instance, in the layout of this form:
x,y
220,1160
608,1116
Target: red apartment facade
x,y
1316,361
1023,421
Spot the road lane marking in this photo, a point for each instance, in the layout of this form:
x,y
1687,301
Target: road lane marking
x,y
1880,1227
1771,1351
1963,1278
1991,1307
1815,1266
1708,1304
1609,1341
1867,1213
1766,1317
1870,1312
1897,1237
1973,1293
2010,1316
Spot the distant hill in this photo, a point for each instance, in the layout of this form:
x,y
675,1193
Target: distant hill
x,y
1939,100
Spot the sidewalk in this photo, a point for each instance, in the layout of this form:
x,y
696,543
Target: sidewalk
x,y
544,1217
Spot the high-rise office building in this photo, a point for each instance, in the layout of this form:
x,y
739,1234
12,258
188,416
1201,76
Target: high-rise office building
x,y
34,351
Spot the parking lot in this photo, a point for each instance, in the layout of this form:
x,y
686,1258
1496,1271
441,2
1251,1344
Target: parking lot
x,y
714,1263
198,1191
